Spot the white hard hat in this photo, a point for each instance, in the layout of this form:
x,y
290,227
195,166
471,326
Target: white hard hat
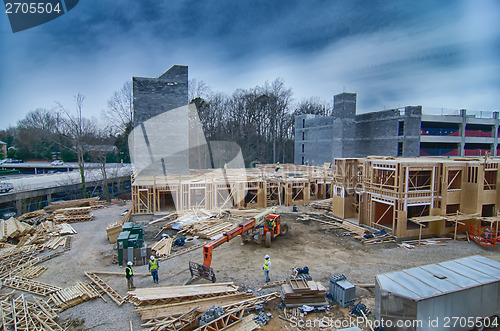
x,y
129,263
267,256
151,257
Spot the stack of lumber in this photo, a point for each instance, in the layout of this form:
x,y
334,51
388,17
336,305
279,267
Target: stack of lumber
x,y
174,294
71,215
50,228
201,305
72,296
322,204
207,228
21,314
12,228
300,292
89,202
162,247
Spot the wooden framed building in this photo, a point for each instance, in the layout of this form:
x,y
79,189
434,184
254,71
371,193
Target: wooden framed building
x,y
213,189
402,195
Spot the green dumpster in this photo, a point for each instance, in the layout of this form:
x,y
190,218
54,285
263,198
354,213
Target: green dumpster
x,y
128,226
133,241
138,229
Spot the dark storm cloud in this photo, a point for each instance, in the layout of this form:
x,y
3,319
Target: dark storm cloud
x,y
390,52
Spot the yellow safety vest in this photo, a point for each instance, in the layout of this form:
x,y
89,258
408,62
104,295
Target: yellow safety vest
x,y
153,265
266,264
131,272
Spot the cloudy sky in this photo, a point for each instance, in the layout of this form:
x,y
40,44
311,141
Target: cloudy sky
x,y
392,53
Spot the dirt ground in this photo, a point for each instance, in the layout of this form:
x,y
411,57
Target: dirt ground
x,y
324,250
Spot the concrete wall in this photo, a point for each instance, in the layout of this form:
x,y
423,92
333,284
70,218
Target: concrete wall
x,y
345,134
154,96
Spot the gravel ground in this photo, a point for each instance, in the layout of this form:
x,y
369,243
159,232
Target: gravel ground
x,y
307,244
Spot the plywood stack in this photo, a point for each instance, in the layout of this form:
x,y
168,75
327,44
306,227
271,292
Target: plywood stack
x,y
89,202
174,294
301,292
72,296
163,247
207,228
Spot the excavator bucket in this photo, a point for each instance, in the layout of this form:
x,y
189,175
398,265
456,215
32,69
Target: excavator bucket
x,y
200,271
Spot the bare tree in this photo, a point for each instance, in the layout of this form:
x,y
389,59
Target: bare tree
x,y
119,110
80,130
198,90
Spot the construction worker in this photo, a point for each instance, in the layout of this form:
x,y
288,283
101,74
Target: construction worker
x,y
266,267
129,274
153,267
225,168
276,168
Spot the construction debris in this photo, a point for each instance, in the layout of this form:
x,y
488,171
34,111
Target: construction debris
x,y
207,228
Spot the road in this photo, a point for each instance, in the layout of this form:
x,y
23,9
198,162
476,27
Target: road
x,y
33,182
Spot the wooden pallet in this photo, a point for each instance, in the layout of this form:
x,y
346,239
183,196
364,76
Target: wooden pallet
x,y
118,299
31,286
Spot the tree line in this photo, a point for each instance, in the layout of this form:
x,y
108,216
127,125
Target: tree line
x,y
259,119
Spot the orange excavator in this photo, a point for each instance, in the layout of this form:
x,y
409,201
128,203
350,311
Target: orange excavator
x,y
264,227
